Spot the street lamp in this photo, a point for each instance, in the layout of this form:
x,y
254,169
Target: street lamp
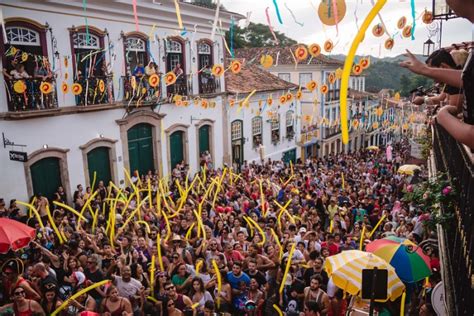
x,y
428,47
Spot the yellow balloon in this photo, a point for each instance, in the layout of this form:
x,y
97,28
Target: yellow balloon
x,y
266,61
348,67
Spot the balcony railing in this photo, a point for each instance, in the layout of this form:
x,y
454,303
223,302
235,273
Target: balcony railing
x,y
31,98
95,92
331,131
208,85
307,137
453,159
180,87
143,93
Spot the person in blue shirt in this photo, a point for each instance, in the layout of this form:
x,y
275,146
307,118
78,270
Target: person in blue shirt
x,y
235,276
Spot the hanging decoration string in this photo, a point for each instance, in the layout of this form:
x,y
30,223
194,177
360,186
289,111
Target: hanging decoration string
x,y
414,20
293,15
270,25
178,14
135,15
277,11
232,36
214,24
84,8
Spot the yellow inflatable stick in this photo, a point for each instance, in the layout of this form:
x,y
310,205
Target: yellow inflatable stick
x,y
219,281
158,248
362,235
53,225
280,313
68,301
376,226
348,66
287,268
32,208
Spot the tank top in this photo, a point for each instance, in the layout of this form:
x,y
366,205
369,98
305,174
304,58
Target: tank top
x,y
318,298
28,312
118,311
179,303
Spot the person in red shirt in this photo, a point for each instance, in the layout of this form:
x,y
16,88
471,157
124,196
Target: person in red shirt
x,y
331,245
232,255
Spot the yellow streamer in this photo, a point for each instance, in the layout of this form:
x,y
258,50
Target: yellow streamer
x,y
362,236
219,281
53,225
287,268
32,208
275,306
178,14
152,275
402,304
68,301
282,210
86,204
158,248
376,226
135,211
250,226
198,267
148,230
348,67
67,207
189,232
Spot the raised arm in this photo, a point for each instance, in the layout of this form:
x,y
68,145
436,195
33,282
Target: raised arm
x,y
451,77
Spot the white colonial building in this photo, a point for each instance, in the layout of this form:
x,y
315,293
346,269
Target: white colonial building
x,y
83,104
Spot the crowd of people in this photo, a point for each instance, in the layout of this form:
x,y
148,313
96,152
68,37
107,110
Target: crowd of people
x,y
328,203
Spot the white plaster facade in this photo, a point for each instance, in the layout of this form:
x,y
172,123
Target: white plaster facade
x,y
72,129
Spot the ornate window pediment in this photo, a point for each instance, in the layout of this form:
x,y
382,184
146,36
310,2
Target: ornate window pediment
x,y
80,40
204,48
18,35
174,47
135,44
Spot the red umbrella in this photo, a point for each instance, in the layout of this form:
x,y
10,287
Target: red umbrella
x,y
14,235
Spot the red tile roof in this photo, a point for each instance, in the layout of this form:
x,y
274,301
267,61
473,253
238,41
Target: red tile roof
x,y
252,77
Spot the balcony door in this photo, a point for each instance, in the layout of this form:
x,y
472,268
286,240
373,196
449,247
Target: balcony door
x,y
98,162
176,148
175,62
25,56
205,62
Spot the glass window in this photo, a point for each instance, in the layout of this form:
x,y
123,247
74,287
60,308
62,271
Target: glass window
x,y
305,78
136,55
135,44
236,130
204,48
289,118
174,47
17,35
275,127
290,131
257,124
284,76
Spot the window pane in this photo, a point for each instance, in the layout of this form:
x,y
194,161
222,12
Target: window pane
x,y
289,118
22,36
284,76
81,40
305,78
236,132
204,48
257,125
135,44
173,47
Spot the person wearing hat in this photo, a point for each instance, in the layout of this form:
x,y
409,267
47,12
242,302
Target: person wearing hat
x,y
21,305
11,279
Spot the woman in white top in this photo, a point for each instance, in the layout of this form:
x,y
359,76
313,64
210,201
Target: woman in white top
x,y
198,294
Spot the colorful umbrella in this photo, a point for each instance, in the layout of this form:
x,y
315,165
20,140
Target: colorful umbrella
x,y
345,269
14,235
409,261
408,169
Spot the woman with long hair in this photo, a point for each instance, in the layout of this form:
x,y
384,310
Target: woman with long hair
x,y
114,305
22,306
198,293
50,300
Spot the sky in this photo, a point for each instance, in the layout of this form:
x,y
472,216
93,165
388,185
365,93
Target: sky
x,y
312,31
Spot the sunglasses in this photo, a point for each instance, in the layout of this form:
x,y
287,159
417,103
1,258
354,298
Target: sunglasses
x,y
19,293
169,288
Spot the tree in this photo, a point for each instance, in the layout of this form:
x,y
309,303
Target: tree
x,y
405,85
257,35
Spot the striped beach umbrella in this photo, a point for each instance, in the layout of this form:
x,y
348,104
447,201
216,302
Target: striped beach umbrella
x,y
409,261
345,269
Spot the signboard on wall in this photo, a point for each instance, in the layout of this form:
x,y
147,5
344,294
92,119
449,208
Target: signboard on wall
x,y
18,156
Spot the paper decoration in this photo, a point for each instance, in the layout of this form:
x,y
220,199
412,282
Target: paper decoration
x,y
301,53
324,89
46,87
133,82
331,12
378,30
375,125
170,78
270,25
314,50
328,46
427,17
153,80
289,97
311,85
277,11
355,123
64,87
294,17
401,22
356,69
76,88
364,63
332,78
379,111
266,61
338,73
299,94
101,86
269,101
19,86
217,70
283,99
407,30
389,43
24,57
235,66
